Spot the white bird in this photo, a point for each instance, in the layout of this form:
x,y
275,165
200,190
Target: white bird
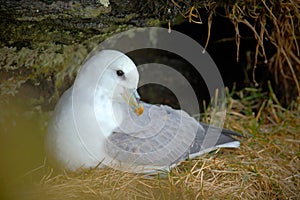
x,y
100,121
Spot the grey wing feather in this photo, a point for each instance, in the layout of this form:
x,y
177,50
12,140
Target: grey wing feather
x,y
164,136
224,130
224,137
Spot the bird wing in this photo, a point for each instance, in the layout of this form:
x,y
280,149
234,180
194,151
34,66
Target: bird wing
x,y
161,136
158,137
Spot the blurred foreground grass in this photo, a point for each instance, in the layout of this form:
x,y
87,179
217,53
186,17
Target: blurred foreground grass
x,y
266,166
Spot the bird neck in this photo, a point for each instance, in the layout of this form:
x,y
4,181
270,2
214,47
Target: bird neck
x,y
109,113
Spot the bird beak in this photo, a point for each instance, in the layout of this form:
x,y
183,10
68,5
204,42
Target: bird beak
x,y
132,98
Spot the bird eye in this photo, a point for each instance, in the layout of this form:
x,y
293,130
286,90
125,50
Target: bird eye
x,y
120,73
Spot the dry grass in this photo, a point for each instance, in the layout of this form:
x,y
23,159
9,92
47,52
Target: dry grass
x,y
267,165
275,23
275,26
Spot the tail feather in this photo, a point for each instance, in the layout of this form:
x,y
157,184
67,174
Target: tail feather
x,y
224,130
225,140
